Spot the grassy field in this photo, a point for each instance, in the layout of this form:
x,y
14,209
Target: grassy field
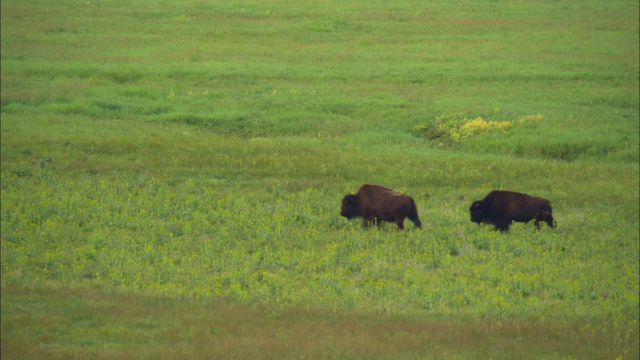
x,y
172,174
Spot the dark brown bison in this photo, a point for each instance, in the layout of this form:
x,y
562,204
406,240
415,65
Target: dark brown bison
x,y
500,208
379,203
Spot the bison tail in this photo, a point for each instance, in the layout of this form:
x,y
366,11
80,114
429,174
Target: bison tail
x,y
413,215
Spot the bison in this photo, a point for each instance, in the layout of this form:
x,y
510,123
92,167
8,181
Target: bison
x,y
501,207
379,203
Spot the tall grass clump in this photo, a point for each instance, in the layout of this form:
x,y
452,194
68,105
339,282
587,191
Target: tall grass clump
x,y
455,128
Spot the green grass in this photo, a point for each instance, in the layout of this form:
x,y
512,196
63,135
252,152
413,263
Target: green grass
x,y
172,176
92,322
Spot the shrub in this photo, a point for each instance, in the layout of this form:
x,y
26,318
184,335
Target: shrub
x,y
455,128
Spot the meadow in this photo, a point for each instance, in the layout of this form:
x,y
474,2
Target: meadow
x,y
172,173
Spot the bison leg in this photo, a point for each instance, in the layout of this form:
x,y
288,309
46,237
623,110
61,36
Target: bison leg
x,y
502,224
400,222
370,221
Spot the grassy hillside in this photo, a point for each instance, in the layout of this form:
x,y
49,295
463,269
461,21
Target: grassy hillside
x,y
189,157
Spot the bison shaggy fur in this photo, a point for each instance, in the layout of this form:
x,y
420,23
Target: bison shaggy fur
x,y
378,203
501,207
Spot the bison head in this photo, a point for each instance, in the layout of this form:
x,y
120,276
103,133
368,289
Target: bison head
x,y
477,211
349,206
546,216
